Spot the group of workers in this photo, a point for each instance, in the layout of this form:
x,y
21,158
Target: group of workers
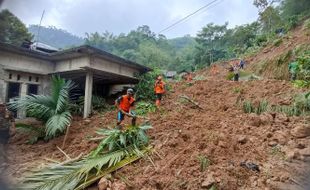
x,y
126,102
235,68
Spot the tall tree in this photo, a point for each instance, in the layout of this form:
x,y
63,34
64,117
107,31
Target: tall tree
x,y
12,30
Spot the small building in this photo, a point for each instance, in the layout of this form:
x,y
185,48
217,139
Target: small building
x,y
26,71
170,74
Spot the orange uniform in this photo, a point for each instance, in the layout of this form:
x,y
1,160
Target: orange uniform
x,y
125,102
159,87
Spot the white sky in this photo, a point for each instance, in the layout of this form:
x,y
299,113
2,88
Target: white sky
x,y
121,16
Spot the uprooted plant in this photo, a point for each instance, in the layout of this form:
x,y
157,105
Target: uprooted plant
x,y
51,109
116,150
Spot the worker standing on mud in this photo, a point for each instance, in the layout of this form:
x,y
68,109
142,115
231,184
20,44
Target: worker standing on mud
x,y
293,68
159,89
236,72
125,104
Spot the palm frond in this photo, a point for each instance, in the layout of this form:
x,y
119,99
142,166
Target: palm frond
x,y
78,175
57,123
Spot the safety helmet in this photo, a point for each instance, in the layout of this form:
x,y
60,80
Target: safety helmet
x,y
130,91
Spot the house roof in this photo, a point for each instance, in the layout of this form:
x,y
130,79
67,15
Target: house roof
x,y
72,53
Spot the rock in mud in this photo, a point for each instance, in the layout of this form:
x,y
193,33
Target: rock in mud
x,y
103,184
208,182
301,131
118,185
266,118
305,152
254,120
242,139
293,154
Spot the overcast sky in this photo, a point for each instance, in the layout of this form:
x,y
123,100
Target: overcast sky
x,y
121,16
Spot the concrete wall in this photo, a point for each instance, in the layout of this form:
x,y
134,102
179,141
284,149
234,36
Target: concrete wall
x,y
24,70
25,63
112,67
71,64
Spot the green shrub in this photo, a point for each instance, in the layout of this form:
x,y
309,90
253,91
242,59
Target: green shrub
x,y
204,162
145,87
249,107
277,42
143,108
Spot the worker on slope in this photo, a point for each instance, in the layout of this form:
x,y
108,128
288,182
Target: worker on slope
x,y
159,89
125,104
293,69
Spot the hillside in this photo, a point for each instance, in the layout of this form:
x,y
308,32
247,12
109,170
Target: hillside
x,y
217,144
193,147
56,37
182,42
272,61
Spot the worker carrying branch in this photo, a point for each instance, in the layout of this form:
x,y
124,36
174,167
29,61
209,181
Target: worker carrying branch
x,y
125,104
159,89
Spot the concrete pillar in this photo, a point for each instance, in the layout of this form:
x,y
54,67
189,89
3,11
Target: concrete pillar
x,y
23,92
88,93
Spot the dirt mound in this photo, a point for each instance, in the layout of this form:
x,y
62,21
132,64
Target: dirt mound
x,y
222,133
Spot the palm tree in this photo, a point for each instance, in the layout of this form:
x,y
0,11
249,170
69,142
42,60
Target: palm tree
x,y
52,109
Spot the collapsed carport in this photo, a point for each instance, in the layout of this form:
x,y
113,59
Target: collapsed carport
x,y
94,70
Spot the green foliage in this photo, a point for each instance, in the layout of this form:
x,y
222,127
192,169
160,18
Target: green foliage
x,y
99,104
118,149
277,42
55,37
204,162
52,109
134,136
145,47
249,107
12,30
80,174
145,87
300,106
142,108
301,83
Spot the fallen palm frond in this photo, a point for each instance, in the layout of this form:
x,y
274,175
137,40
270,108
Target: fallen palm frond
x,y
80,174
118,149
191,101
117,139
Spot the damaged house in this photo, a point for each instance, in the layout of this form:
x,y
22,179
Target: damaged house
x,y
27,71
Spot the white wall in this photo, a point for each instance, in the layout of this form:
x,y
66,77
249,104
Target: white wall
x,y
71,64
112,67
34,65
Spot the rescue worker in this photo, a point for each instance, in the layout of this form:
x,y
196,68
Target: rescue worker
x,y
241,64
125,104
159,89
236,72
293,69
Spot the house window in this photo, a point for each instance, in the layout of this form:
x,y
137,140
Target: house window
x,y
30,78
18,77
10,76
37,79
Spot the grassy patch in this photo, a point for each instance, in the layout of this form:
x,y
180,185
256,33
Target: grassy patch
x,y
249,107
204,162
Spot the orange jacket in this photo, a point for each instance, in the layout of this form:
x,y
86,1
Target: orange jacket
x,y
159,87
125,102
